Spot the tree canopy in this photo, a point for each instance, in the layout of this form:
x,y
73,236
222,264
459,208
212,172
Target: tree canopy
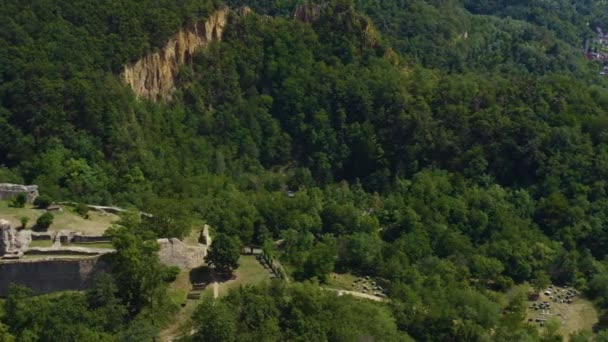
x,y
453,149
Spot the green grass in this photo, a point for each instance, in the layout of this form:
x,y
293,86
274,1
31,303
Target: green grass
x,y
66,220
341,281
249,272
41,243
580,315
177,292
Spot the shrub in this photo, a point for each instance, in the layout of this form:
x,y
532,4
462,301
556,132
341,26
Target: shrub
x,y
44,221
42,202
82,210
170,273
24,221
19,201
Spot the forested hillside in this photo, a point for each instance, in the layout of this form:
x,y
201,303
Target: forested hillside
x,y
453,149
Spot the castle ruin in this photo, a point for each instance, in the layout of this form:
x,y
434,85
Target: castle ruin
x,y
71,262
8,191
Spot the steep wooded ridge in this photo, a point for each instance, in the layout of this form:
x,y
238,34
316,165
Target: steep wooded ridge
x,y
451,151
153,76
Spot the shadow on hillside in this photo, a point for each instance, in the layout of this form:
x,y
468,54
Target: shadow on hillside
x,y
206,275
601,324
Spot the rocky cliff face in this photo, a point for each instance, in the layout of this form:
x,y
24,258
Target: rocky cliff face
x,y
173,252
153,76
13,242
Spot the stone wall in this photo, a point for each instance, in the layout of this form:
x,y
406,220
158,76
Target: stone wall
x,y
173,252
8,191
66,237
45,276
12,241
42,236
60,273
90,239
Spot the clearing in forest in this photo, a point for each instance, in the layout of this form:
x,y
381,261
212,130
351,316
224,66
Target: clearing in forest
x,y
249,272
578,315
96,224
366,286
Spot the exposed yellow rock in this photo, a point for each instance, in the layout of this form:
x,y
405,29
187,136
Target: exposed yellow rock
x,y
153,76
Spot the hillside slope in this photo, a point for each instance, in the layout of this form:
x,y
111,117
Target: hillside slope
x,y
446,150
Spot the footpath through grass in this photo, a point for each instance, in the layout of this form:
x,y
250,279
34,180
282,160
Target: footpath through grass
x,y
249,272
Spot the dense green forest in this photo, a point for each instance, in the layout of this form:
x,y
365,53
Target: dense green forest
x,y
453,149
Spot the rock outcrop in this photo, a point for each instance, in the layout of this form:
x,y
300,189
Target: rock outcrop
x,y
12,242
7,237
173,252
153,76
8,191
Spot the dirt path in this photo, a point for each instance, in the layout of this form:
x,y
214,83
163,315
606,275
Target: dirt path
x,y
357,294
57,241
249,272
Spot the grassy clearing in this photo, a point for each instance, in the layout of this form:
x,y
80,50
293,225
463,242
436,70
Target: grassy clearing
x,y
66,220
195,232
41,243
580,315
342,281
178,290
250,272
350,282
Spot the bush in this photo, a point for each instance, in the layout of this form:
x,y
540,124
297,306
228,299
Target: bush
x,y
42,202
170,273
82,210
44,221
24,221
19,201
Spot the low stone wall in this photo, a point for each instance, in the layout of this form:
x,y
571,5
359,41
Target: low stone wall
x,y
68,251
45,276
90,239
77,237
42,236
